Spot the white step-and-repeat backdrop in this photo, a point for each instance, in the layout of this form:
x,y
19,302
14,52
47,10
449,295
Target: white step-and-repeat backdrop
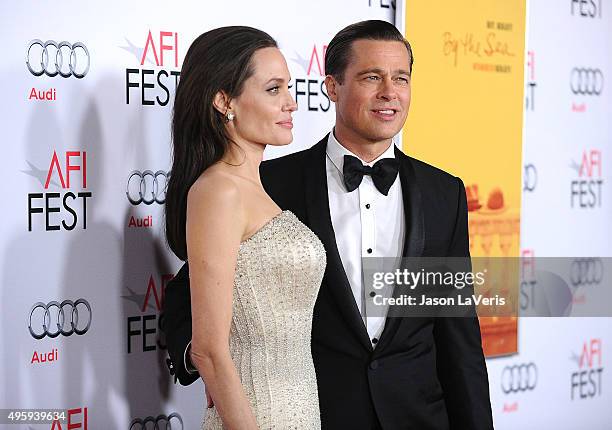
x,y
88,91
557,376
561,377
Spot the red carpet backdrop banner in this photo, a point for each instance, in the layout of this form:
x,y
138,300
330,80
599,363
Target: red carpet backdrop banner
x,y
512,97
88,92
87,156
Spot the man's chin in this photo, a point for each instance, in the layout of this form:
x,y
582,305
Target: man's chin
x,y
383,135
386,129
374,132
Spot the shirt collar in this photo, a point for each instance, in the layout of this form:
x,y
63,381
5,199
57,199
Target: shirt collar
x,y
336,152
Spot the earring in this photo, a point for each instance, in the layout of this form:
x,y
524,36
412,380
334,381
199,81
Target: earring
x,y
229,116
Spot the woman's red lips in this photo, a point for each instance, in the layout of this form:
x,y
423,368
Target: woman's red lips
x,y
286,124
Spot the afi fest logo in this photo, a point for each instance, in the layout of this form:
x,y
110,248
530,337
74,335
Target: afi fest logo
x,y
65,208
142,328
586,381
309,91
531,82
76,419
157,77
528,281
586,191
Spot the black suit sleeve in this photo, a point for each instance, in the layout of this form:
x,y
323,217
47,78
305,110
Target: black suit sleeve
x,y
460,361
176,324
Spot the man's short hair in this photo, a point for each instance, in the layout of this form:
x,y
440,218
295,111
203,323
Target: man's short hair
x,y
338,51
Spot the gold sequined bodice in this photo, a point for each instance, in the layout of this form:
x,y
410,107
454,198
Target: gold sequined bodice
x,y
278,275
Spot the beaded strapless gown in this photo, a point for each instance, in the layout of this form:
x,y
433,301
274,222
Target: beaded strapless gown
x,y
278,275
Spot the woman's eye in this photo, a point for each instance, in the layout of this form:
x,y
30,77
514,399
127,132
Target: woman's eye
x,y
273,90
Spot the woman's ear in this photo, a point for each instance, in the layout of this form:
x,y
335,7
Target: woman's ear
x,y
221,102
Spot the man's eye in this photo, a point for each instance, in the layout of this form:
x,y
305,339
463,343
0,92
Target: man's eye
x,y
373,78
403,80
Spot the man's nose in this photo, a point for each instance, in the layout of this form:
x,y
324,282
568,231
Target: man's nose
x,y
387,90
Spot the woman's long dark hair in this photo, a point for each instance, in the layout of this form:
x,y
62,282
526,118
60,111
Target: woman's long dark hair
x,y
218,60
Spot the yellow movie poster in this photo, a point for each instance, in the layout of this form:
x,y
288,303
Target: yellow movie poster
x,y
466,118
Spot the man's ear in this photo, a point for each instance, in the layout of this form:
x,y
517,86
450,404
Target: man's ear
x,y
221,102
330,85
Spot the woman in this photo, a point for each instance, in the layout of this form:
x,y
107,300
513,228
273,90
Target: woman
x,y
255,270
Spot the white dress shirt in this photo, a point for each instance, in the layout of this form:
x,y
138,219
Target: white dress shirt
x,y
366,224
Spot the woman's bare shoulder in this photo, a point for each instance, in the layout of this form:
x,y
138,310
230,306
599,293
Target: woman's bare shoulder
x,y
214,212
215,187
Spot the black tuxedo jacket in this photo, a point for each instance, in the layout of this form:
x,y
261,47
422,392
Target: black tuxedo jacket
x,y
425,373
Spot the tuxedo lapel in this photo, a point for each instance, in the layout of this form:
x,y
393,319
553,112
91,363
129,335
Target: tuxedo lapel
x,y
319,220
414,236
414,239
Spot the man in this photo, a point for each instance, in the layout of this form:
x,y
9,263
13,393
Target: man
x,y
365,198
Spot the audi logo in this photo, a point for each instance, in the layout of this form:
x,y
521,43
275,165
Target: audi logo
x,y
530,178
52,320
147,187
519,378
586,271
586,81
156,423
52,58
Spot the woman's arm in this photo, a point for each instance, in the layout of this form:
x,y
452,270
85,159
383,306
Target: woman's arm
x,y
215,225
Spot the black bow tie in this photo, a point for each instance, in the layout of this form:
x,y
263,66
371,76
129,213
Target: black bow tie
x,y
383,173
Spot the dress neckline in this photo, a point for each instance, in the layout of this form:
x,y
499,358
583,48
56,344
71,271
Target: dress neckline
x,y
264,227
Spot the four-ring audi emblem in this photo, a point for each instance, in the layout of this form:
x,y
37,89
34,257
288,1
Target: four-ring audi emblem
x,y
147,187
530,177
585,81
519,378
160,422
52,58
586,271
55,318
